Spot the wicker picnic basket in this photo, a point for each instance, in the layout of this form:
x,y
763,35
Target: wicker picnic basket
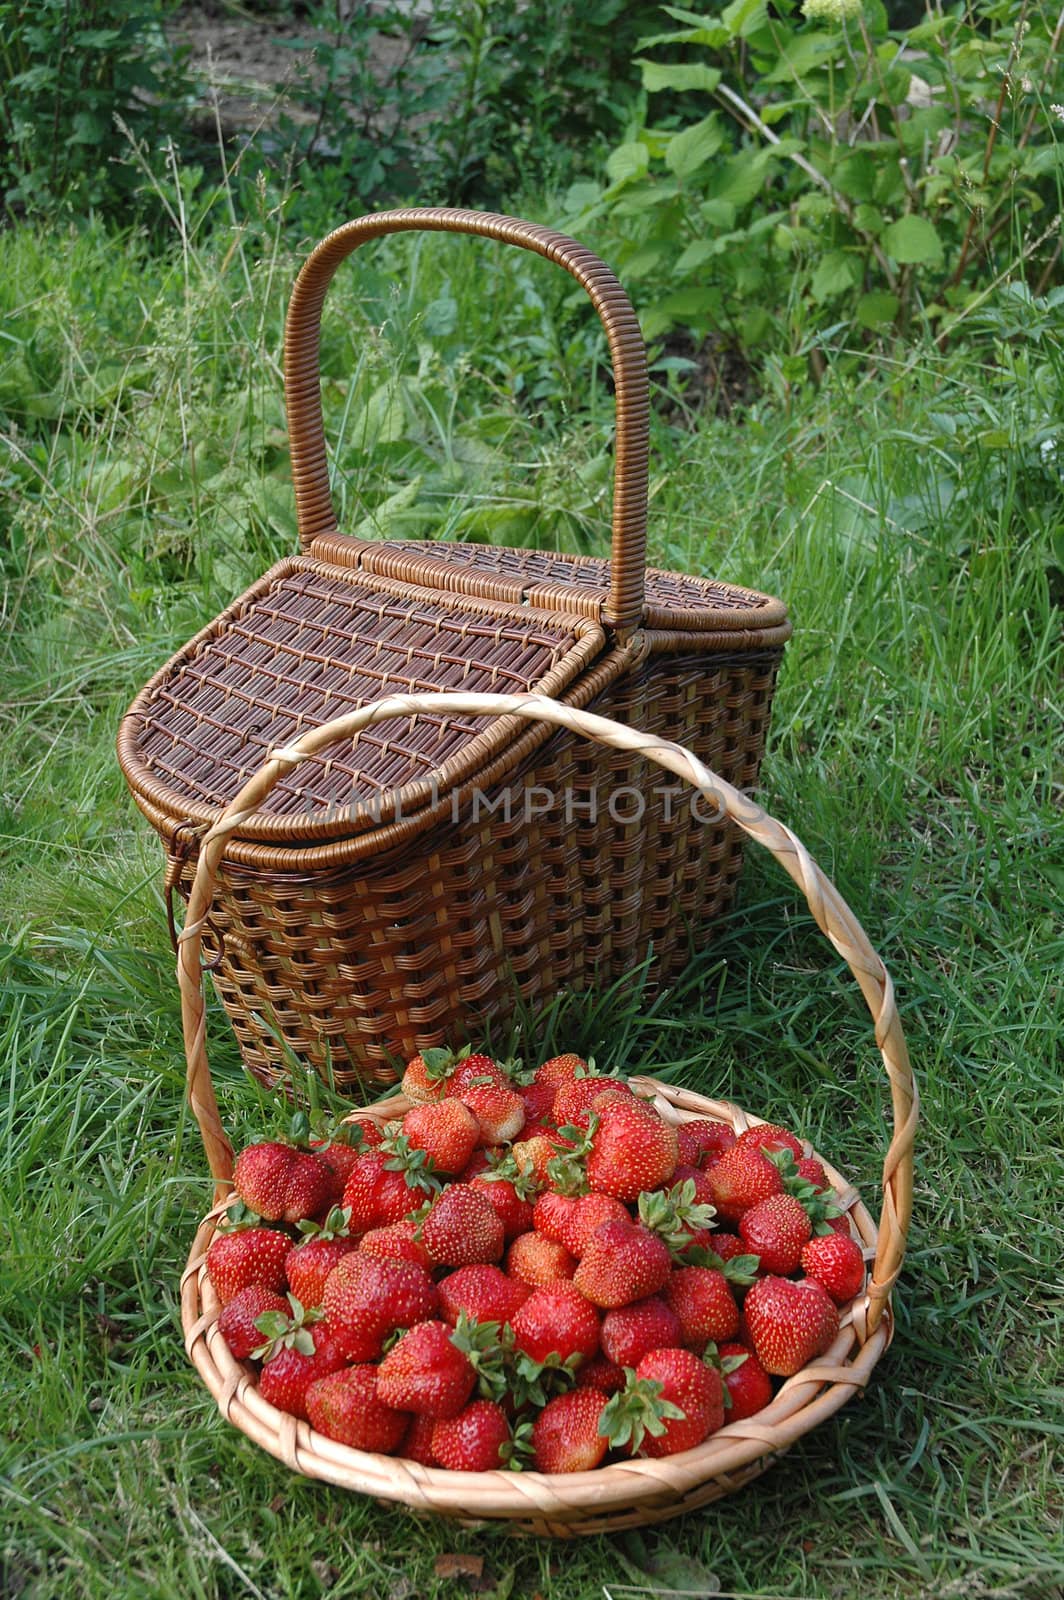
x,y
637,1491
366,912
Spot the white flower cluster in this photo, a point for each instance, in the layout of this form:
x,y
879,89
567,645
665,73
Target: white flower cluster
x,y
831,10
1058,112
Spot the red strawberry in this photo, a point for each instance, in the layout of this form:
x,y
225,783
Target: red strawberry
x,y
551,1214
346,1407
599,1373
425,1372
789,1323
741,1178
700,1192
379,1191
426,1076
511,1192
533,1155
447,1132
397,1242
748,1384
236,1322
770,1137
483,1292
565,1435
629,1332
475,1440
365,1300
538,1101
309,1263
573,1100
697,1391
462,1228
704,1304
282,1184
246,1256
476,1071
537,1261
631,1148
702,1141
835,1260
288,1373
623,1262
559,1070
417,1441
500,1113
811,1170
353,1137
776,1230
725,1246
557,1320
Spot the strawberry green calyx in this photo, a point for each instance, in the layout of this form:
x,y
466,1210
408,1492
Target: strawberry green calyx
x,y
238,1216
636,1411
299,1131
675,1215
486,1349
724,1365
286,1333
440,1063
533,1383
738,1269
567,1171
337,1130
416,1166
503,1168
335,1225
516,1454
818,1206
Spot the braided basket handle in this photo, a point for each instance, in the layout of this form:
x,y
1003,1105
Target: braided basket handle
x,y
623,606
834,918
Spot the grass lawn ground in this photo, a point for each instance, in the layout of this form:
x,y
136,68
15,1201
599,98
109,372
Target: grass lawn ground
x,y
910,511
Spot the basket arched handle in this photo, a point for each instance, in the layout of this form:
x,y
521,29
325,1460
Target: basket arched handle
x,y
623,606
834,918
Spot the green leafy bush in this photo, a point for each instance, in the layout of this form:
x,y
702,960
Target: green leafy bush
x,y
825,169
72,72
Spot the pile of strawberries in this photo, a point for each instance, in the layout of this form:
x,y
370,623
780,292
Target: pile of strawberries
x,y
542,1274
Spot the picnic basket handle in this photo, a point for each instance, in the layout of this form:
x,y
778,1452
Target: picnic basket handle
x,y
623,607
831,913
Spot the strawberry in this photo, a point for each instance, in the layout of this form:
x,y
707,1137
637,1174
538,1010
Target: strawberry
x,y
426,1076
573,1100
696,1390
345,1406
536,1260
479,1163
630,1147
483,1292
600,1373
776,1230
771,1138
623,1262
702,1141
282,1184
725,1246
384,1187
341,1152
365,1300
425,1372
236,1322
835,1261
499,1111
462,1228
557,1320
246,1256
565,1435
476,1072
629,1332
533,1154
789,1323
704,1305
559,1070
294,1360
748,1385
476,1440
397,1242
811,1170
309,1262
741,1178
551,1214
699,1190
447,1132
538,1101
511,1192
416,1444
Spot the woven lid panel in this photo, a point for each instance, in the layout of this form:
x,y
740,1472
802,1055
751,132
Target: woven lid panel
x,y
554,580
307,644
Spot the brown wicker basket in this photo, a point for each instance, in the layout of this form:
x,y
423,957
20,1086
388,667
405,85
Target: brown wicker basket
x,y
638,1491
366,912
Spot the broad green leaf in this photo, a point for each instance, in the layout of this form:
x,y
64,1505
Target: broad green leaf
x,y
913,241
693,146
876,309
645,260
678,75
696,254
718,213
869,220
836,274
713,37
802,53
627,161
739,178
855,177
743,17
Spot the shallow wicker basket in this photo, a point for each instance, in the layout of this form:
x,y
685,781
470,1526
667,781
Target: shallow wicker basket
x,y
638,1491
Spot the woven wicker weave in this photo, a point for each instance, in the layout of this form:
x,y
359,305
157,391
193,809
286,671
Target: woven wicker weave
x,y
367,910
638,1491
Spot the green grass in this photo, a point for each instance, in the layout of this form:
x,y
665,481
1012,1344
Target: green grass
x,y
910,515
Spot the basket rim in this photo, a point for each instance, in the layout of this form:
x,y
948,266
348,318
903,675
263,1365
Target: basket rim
x,y
802,1402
